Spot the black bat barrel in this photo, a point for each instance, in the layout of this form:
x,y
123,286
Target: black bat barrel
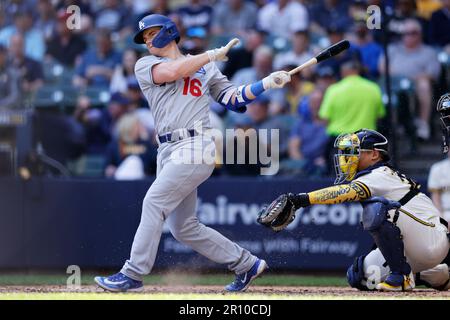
x,y
333,50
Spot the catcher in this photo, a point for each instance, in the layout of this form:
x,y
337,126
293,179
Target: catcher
x,y
410,237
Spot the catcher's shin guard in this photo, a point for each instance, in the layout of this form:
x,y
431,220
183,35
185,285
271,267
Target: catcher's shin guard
x,y
386,235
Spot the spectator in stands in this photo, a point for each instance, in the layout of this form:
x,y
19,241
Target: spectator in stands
x,y
299,53
325,12
34,39
134,94
84,5
350,104
242,57
282,18
411,59
288,98
425,8
440,25
30,71
336,34
65,46
12,7
261,118
130,155
261,67
196,14
238,141
97,64
46,20
99,123
123,72
9,82
439,186
113,16
158,7
404,10
195,42
234,17
325,77
309,139
369,50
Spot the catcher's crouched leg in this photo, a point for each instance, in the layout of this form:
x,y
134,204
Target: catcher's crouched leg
x,y
437,278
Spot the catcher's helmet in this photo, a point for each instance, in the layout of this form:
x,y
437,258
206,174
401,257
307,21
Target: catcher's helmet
x,y
349,146
443,107
167,33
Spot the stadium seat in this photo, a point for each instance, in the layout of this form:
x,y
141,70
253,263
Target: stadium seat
x,y
99,96
48,96
55,73
279,44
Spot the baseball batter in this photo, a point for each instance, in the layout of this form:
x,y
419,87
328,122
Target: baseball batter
x,y
178,89
410,237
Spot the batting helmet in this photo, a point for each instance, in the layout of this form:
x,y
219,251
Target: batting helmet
x,y
167,33
443,107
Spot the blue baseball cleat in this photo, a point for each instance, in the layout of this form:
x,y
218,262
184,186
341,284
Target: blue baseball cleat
x,y
119,283
243,280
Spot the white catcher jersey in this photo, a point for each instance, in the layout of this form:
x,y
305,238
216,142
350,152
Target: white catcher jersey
x,y
182,103
385,182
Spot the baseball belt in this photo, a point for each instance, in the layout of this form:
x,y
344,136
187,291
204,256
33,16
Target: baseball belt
x,y
176,135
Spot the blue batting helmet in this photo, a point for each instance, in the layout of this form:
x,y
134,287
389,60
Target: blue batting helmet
x,y
167,33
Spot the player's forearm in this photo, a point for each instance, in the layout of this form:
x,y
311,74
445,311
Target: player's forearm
x,y
241,96
184,67
354,191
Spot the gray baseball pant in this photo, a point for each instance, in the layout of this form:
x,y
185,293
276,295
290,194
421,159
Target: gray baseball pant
x,y
172,197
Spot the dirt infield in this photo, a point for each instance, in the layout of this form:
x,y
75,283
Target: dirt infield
x,y
279,291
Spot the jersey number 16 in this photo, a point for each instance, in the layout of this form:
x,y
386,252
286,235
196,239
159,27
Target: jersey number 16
x,y
194,87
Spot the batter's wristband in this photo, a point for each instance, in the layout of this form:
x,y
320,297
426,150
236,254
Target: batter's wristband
x,y
257,88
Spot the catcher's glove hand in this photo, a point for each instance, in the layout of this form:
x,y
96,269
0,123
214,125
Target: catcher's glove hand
x,y
279,214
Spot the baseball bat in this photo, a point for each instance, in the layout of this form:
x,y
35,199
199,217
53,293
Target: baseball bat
x,y
329,52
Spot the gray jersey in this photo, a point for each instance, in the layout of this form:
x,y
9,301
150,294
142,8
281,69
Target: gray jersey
x,y
182,103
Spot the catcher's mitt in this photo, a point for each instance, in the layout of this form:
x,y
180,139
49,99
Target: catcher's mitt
x,y
279,214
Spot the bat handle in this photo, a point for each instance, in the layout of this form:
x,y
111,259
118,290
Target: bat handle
x,y
308,63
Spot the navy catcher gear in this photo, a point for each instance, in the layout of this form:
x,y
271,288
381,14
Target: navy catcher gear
x,y
375,212
355,274
167,33
385,234
373,140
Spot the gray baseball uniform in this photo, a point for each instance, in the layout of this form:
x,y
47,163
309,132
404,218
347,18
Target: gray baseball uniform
x,y
173,195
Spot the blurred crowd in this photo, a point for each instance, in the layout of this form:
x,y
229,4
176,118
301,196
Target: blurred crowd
x,y
87,72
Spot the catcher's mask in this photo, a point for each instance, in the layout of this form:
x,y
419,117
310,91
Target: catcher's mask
x,y
443,107
349,147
